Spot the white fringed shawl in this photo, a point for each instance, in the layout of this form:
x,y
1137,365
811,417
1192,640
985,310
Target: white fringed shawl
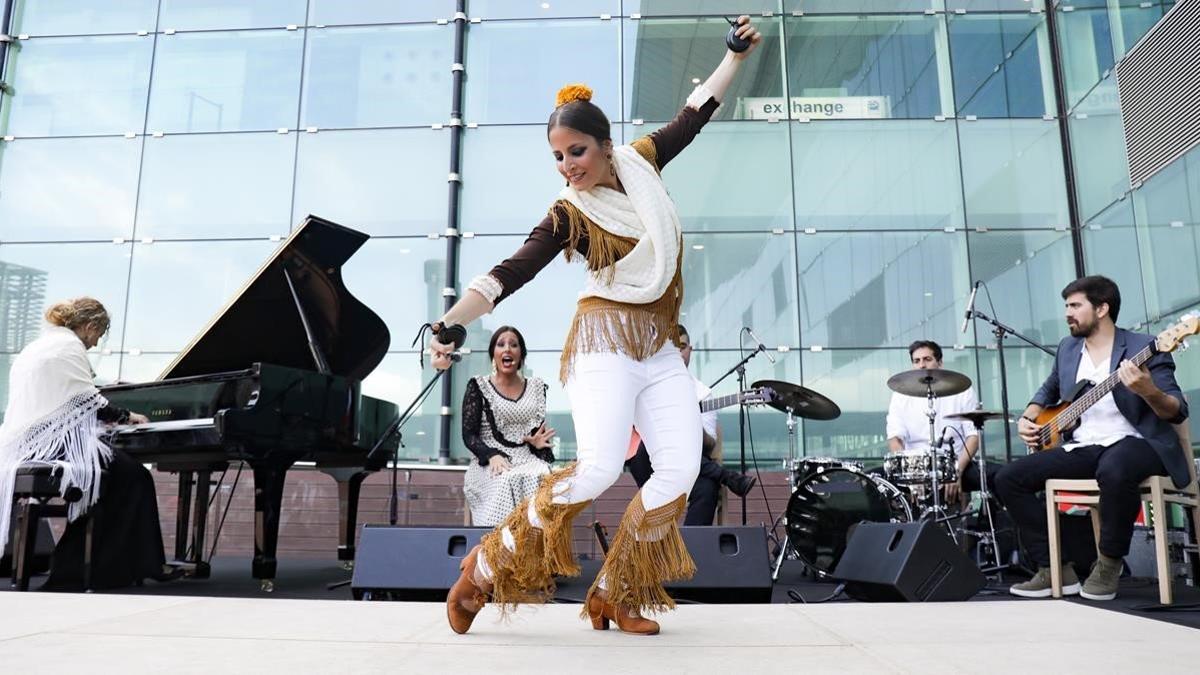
x,y
51,417
644,212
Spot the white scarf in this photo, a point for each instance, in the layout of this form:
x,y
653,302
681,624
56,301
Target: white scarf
x,y
51,417
644,212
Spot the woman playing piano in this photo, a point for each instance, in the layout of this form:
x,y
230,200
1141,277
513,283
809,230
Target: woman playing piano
x,y
620,366
504,426
54,415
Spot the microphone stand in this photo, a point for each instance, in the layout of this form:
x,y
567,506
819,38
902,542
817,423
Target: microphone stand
x,y
1000,331
740,369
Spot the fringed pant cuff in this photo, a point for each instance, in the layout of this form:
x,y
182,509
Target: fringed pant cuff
x,y
647,551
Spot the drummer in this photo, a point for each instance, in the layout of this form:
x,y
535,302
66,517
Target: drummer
x,y
908,422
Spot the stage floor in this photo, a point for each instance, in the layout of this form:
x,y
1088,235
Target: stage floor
x,y
55,633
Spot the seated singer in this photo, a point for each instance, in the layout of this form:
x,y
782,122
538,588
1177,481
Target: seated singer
x,y
1121,440
504,425
702,500
908,423
53,415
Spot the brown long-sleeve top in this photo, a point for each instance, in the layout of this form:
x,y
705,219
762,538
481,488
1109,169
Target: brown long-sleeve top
x,y
605,325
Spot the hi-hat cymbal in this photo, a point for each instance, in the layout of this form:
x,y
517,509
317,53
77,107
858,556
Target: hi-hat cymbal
x,y
803,402
977,417
918,382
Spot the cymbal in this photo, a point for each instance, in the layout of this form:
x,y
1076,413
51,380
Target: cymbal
x,y
918,382
977,417
804,402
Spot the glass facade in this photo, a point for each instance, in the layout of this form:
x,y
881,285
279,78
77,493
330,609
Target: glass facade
x,y
872,160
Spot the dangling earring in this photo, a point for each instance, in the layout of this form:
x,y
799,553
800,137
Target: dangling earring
x,y
612,169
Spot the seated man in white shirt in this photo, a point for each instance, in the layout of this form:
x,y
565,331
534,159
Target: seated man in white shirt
x,y
908,424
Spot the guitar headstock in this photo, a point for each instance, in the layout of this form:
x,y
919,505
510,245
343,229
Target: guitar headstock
x,y
758,396
1171,338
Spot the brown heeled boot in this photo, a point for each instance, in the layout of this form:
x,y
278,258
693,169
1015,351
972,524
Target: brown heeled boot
x,y
628,619
466,597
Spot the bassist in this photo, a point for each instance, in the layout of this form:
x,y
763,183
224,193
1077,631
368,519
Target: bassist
x,y
1122,437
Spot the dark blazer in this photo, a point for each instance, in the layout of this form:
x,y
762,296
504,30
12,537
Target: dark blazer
x,y
1157,431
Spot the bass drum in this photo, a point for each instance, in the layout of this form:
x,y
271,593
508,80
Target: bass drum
x,y
824,506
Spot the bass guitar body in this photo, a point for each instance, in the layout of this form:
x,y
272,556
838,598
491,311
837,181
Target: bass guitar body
x,y
1054,432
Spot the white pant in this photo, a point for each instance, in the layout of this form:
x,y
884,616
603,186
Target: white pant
x,y
610,393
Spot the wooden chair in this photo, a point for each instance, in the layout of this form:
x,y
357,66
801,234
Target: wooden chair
x,y
1158,490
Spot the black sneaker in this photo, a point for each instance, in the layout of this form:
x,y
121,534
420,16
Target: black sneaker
x,y
740,484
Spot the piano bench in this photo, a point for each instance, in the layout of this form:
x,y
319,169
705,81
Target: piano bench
x,y
36,485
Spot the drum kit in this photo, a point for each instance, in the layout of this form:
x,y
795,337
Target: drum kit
x,y
830,496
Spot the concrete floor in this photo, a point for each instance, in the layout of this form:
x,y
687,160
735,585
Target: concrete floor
x,y
56,633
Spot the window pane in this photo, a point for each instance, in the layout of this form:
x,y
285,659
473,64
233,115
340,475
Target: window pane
x,y
876,175
1024,273
399,378
536,9
71,188
370,181
144,366
998,65
1098,149
1137,17
70,86
735,280
1167,227
509,83
860,6
37,275
734,176
1086,45
995,5
230,81
867,67
223,14
542,309
882,289
165,313
1013,174
509,179
371,77
730,8
340,12
1027,368
73,17
401,280
666,58
1110,246
216,185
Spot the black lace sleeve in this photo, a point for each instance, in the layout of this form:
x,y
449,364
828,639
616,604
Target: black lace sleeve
x,y
112,414
472,420
544,454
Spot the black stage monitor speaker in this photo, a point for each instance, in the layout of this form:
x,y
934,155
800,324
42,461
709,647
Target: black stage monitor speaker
x,y
906,562
732,565
410,563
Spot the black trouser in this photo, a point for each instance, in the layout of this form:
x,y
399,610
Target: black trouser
x,y
970,477
1118,468
702,500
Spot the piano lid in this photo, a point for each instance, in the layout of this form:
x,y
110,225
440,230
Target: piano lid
x,y
262,323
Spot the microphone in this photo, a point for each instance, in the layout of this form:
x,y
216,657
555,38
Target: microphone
x,y
761,347
970,307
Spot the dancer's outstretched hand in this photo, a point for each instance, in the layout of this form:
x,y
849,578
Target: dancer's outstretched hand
x,y
749,33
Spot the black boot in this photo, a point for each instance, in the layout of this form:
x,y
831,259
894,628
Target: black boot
x,y
739,484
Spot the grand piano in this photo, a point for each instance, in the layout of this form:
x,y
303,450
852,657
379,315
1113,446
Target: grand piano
x,y
273,379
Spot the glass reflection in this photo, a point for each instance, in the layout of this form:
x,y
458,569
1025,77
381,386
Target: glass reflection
x,y
998,65
698,7
371,77
510,179
1110,245
861,6
164,312
344,12
64,189
228,81
995,5
876,175
399,378
734,280
542,309
144,366
870,67
1013,174
1098,149
1027,368
766,434
34,276
501,65
367,180
1086,47
664,59
401,280
1167,223
76,17
1023,273
1136,17
225,14
536,9
210,186
881,289
77,86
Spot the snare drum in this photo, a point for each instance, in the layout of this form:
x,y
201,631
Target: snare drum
x,y
825,505
916,467
807,466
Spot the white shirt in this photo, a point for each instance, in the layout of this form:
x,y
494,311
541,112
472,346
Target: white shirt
x,y
1102,424
907,419
708,420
